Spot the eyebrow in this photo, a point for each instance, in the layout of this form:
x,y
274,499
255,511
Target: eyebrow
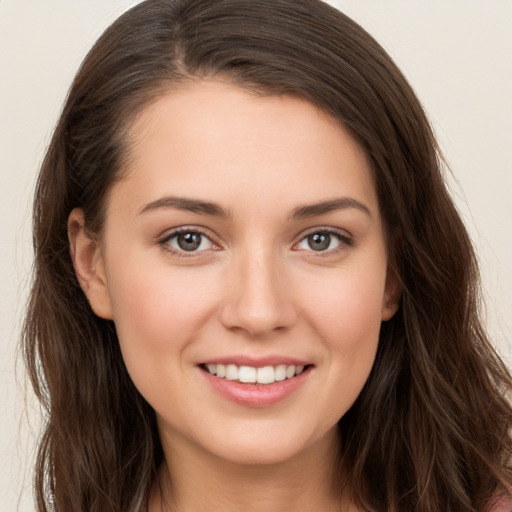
x,y
186,204
213,209
331,205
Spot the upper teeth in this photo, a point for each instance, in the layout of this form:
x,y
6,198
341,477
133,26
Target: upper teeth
x,y
249,374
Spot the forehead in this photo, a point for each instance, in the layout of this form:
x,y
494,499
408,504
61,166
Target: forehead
x,y
212,138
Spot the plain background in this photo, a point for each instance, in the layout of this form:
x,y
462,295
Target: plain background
x,y
457,54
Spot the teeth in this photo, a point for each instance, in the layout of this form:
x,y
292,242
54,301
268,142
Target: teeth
x,y
231,372
265,375
249,374
280,372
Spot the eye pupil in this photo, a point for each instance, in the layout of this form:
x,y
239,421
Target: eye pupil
x,y
319,241
189,241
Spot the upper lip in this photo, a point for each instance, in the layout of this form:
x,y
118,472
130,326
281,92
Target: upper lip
x,y
257,362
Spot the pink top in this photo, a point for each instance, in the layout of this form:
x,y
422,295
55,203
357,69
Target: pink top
x,y
503,505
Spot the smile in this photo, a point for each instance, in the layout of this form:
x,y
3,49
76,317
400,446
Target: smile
x,y
261,385
253,375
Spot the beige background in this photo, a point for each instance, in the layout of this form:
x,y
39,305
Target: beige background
x,y
456,53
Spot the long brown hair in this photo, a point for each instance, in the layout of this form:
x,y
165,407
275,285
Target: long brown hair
x,y
430,431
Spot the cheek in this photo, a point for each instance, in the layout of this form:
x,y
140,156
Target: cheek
x,y
351,337
350,326
159,310
349,308
347,315
158,313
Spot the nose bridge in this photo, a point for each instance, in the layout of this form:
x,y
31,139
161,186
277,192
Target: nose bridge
x,y
257,299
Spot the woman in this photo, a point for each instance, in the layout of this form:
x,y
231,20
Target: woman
x,y
252,290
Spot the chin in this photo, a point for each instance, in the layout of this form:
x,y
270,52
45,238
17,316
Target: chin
x,y
262,447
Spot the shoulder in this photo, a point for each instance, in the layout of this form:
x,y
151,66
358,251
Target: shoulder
x,y
503,504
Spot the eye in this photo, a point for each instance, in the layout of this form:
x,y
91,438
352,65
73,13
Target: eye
x,y
323,241
187,241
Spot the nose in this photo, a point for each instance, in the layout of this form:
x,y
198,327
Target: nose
x,y
258,298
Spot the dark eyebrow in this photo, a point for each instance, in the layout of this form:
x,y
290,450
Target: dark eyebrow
x,y
324,207
185,204
208,208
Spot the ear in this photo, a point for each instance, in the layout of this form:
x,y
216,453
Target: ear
x,y
89,265
392,294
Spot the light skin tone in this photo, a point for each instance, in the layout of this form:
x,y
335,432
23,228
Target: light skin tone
x,y
280,254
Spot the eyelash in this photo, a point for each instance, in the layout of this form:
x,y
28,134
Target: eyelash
x,y
345,241
164,242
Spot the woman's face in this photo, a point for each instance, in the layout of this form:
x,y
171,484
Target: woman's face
x,y
245,240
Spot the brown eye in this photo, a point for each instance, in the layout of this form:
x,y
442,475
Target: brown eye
x,y
323,241
189,241
319,241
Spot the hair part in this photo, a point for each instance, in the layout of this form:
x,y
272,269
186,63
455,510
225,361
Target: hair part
x,y
435,408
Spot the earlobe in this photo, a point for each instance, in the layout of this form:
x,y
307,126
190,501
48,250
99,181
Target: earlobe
x,y
89,265
392,294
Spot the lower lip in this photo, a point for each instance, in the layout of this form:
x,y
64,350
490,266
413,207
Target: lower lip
x,y
256,395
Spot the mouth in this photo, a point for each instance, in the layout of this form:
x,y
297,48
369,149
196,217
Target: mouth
x,y
265,375
256,383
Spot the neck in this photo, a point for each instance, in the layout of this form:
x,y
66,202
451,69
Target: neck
x,y
203,482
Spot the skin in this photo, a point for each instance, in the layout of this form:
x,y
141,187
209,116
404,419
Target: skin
x,y
255,287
